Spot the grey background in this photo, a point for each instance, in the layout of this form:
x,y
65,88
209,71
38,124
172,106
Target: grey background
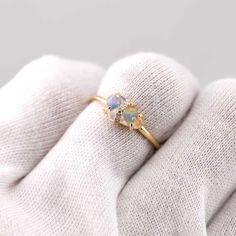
x,y
199,33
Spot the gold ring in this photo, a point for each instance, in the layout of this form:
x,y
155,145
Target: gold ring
x,y
122,112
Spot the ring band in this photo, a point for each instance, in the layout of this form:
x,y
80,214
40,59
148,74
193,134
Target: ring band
x,y
122,112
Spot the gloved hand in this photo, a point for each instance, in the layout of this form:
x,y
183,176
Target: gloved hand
x,y
65,169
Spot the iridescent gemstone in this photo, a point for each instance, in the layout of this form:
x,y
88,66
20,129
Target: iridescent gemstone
x,y
115,101
130,116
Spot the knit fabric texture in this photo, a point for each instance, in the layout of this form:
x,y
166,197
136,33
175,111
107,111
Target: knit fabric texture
x,y
66,170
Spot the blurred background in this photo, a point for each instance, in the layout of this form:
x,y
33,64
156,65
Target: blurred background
x,y
199,33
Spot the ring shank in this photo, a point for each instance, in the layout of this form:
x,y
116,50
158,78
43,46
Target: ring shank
x,y
149,137
99,99
142,130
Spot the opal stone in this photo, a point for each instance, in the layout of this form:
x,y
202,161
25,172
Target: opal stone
x,y
115,101
130,115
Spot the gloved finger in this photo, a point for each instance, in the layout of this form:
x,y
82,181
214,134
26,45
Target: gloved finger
x,y
183,185
93,160
224,223
36,107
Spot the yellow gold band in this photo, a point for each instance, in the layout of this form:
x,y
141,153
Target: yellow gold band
x,y
118,104
149,137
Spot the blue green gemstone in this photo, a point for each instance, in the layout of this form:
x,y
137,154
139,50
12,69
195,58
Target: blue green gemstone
x,y
130,115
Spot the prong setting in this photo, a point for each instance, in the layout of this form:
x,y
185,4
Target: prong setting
x,y
123,112
131,126
107,109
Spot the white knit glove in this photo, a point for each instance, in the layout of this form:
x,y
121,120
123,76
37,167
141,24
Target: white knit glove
x,y
65,169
